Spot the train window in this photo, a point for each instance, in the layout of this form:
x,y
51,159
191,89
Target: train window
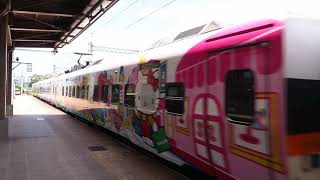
x,y
84,93
78,92
62,90
96,93
87,92
66,92
302,104
240,96
129,98
73,91
115,93
175,98
104,95
70,91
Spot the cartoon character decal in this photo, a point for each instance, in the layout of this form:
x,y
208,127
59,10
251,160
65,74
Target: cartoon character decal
x,y
144,119
98,116
147,119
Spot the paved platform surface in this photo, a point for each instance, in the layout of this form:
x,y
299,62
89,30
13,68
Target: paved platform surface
x,y
45,143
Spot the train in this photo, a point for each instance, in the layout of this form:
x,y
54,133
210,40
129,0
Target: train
x,y
237,102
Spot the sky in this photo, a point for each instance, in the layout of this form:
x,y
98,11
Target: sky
x,y
129,25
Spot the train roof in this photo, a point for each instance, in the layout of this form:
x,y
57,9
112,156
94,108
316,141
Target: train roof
x,y
177,47
194,31
93,68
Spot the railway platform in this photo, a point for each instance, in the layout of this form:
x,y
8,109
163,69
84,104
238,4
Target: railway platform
x,y
45,143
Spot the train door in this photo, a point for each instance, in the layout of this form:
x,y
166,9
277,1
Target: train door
x,y
208,131
209,127
237,105
249,106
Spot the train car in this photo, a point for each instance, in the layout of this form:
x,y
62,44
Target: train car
x,y
237,103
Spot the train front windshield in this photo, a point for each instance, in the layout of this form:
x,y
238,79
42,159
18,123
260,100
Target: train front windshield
x,y
303,106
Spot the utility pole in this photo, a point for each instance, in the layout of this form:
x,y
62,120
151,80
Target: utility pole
x,y
21,83
54,70
29,69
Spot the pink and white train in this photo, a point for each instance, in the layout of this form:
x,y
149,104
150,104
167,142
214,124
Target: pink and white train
x,y
237,103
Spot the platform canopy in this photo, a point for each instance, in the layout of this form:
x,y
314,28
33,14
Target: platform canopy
x,y
52,23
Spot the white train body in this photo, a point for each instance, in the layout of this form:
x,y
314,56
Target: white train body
x,y
237,103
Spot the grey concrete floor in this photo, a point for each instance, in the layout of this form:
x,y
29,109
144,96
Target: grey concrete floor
x,y
45,143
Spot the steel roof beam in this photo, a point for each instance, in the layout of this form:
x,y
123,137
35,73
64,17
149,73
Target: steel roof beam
x,y
37,30
44,13
96,16
35,40
9,37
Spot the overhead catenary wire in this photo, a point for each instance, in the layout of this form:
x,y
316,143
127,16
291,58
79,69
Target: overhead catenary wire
x,y
149,14
121,12
114,50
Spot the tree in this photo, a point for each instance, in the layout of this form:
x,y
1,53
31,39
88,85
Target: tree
x,y
38,77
